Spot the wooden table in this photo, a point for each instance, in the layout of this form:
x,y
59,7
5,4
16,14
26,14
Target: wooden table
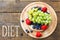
x,y
10,15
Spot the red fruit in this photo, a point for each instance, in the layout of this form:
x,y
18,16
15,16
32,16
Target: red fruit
x,y
44,27
38,34
28,22
44,9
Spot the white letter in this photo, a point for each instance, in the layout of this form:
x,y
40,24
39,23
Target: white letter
x,y
4,27
8,31
12,31
16,31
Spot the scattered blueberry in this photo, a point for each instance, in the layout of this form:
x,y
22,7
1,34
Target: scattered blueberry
x,y
39,8
21,34
31,31
27,31
22,20
33,27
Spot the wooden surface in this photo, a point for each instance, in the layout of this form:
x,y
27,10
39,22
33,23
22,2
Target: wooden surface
x,y
10,15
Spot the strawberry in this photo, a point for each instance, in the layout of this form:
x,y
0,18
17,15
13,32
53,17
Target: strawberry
x,y
44,9
28,22
38,34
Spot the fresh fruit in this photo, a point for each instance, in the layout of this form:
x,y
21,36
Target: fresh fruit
x,y
27,31
31,31
36,9
30,11
39,8
44,27
37,26
38,16
38,34
44,9
21,34
33,27
28,22
22,20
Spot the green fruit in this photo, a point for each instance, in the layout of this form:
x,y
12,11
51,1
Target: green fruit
x,y
36,9
33,19
30,11
37,16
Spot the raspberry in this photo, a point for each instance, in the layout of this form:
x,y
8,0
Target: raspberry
x,y
38,34
44,27
44,9
28,22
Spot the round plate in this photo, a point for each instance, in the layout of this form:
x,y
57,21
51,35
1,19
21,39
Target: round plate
x,y
52,25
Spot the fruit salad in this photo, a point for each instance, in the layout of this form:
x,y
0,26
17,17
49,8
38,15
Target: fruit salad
x,y
39,18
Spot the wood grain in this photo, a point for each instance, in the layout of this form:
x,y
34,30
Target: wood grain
x,y
55,35
43,0
10,14
13,7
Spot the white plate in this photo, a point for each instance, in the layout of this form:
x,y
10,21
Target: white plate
x,y
52,25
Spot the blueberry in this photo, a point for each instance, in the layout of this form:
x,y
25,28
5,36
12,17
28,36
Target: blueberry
x,y
27,31
21,34
39,8
22,20
31,31
33,27
37,26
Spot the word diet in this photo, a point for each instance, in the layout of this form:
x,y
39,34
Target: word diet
x,y
10,31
